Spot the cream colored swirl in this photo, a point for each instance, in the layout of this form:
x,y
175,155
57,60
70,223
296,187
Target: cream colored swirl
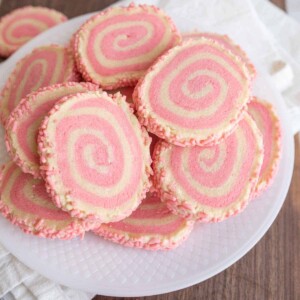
x,y
42,67
10,31
194,94
23,124
111,63
111,191
98,155
169,103
230,183
27,198
121,43
30,193
207,154
148,222
213,180
28,75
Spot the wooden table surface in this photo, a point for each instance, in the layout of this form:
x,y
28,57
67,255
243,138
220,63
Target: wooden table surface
x,y
271,270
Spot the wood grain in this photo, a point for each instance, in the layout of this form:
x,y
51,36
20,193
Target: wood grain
x,y
280,3
271,270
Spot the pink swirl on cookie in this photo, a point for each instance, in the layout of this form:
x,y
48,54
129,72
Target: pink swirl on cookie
x,y
195,94
25,202
151,226
115,47
95,156
210,183
24,122
43,66
23,24
267,121
227,43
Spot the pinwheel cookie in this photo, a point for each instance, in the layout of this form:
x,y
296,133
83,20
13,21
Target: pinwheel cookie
x,y
210,183
195,94
95,156
268,123
227,43
25,202
152,226
43,66
21,25
115,47
23,123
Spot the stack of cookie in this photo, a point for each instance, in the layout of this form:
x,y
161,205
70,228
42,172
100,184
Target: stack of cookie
x,y
164,132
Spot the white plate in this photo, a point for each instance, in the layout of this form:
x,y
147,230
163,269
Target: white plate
x,y
101,267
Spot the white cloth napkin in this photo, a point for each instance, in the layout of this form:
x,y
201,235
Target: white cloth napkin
x,y
19,282
284,35
277,49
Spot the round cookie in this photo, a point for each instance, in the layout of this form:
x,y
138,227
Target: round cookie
x,y
25,203
44,66
151,226
210,183
23,24
24,122
115,47
195,94
268,123
227,43
95,156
